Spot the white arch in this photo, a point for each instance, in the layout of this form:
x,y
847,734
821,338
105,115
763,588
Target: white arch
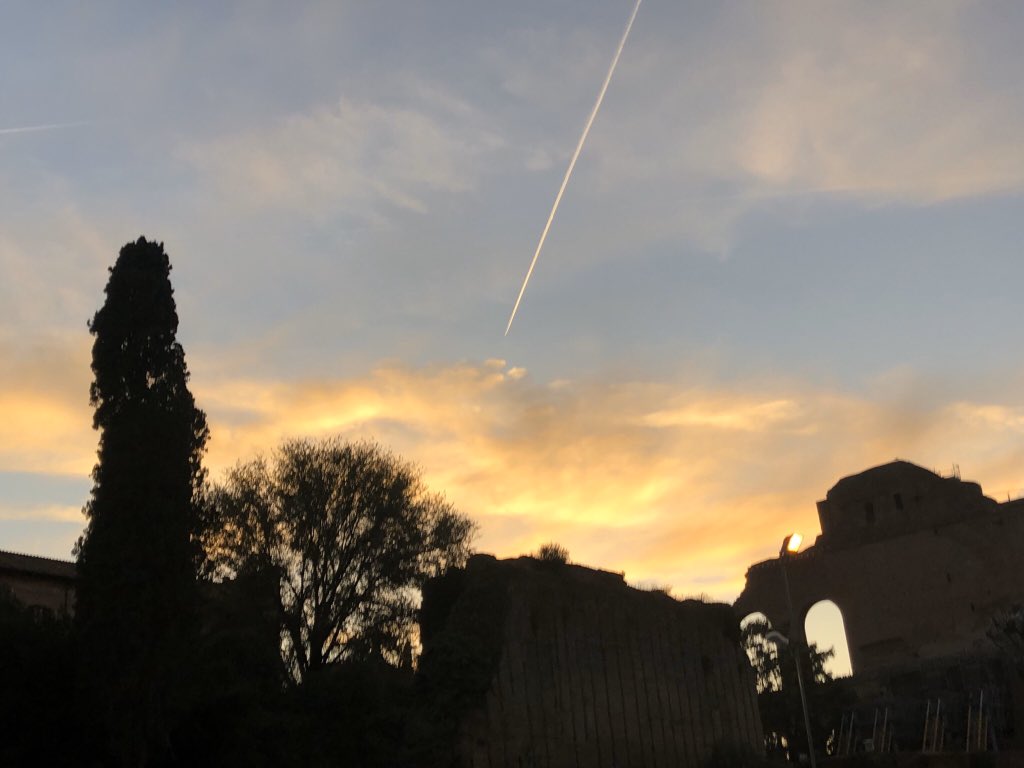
x,y
761,653
824,625
755,616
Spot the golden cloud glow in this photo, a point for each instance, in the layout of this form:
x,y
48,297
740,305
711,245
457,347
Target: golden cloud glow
x,y
45,420
725,415
49,512
666,481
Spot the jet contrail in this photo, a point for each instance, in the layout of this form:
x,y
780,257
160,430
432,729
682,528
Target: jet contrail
x,y
572,163
36,128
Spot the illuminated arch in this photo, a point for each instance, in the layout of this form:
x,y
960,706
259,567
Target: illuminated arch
x,y
761,653
754,616
824,625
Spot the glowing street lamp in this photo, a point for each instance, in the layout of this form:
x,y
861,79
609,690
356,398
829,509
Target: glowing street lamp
x,y
790,546
791,543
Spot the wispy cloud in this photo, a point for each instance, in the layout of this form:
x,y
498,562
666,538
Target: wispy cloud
x,y
39,128
349,158
885,106
901,104
54,261
41,512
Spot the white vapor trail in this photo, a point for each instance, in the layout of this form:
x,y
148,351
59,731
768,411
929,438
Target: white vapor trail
x,y
37,128
572,163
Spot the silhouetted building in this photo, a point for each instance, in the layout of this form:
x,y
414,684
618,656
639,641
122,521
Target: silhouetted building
x,y
549,664
39,581
918,564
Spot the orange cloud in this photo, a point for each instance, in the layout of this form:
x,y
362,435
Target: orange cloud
x,y
48,512
45,420
669,482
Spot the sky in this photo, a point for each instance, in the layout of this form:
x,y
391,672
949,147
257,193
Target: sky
x,y
790,250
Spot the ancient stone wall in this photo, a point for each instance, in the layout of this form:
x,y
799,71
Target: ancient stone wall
x,y
594,673
922,580
892,499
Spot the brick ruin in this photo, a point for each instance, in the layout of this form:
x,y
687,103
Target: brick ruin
x,y
39,581
560,665
917,563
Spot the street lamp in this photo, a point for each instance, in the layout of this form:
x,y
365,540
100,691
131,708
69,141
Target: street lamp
x,y
790,546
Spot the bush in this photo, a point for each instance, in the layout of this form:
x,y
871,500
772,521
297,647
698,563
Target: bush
x,y
553,553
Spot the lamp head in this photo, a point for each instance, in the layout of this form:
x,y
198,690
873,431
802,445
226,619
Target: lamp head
x,y
791,544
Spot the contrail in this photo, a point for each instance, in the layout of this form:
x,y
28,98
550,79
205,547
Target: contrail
x,y
36,128
572,163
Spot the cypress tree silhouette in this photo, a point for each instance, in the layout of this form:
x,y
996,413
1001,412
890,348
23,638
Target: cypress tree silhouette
x,y
137,595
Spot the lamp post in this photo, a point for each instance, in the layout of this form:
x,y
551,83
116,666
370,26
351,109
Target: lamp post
x,y
790,546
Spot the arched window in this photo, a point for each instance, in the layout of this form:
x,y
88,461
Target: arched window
x,y
752,617
824,626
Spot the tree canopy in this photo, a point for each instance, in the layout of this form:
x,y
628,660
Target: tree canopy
x,y
137,558
352,531
778,696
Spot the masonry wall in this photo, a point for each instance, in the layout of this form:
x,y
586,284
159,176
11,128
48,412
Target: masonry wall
x,y
907,593
594,673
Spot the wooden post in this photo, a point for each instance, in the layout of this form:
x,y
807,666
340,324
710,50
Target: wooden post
x,y
924,738
885,725
981,717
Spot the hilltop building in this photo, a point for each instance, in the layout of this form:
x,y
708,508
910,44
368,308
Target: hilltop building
x,y
918,565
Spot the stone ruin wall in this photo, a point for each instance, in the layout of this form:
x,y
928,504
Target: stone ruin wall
x,y
906,592
595,673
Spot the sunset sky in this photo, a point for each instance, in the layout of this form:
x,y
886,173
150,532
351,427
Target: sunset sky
x,y
791,250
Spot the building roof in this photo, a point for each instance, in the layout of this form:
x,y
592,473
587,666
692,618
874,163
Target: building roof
x,y
37,566
892,475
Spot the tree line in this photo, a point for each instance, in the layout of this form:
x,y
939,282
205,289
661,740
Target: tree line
x,y
268,618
